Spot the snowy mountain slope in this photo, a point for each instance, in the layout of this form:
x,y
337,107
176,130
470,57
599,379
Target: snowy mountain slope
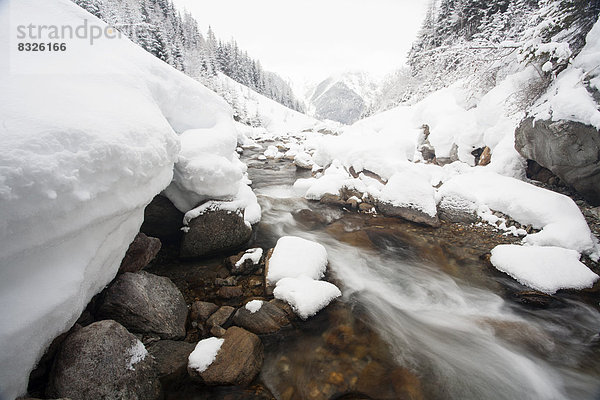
x,y
172,35
343,98
260,111
88,139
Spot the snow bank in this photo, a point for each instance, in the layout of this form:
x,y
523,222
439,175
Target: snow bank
x,y
410,189
557,215
207,167
276,119
546,269
306,296
568,97
294,257
88,139
254,305
204,354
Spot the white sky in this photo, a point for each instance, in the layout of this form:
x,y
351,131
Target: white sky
x,y
309,40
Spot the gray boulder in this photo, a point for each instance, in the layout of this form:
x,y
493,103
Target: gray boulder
x,y
141,251
146,303
571,150
238,361
103,361
215,232
163,220
268,319
408,213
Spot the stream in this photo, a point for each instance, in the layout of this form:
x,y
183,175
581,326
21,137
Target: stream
x,y
422,315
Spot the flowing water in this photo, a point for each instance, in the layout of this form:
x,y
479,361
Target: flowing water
x,y
421,316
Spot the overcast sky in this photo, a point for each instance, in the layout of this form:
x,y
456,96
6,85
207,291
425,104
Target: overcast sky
x,y
309,40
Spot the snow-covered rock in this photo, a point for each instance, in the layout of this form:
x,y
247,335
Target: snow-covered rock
x,y
546,269
294,257
88,140
204,354
558,217
235,359
410,196
214,232
306,296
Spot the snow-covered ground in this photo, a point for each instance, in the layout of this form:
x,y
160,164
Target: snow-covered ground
x,y
387,145
89,137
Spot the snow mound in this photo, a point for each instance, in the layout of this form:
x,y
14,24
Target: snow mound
x,y
204,354
86,144
306,296
410,189
207,167
546,269
558,217
294,257
254,305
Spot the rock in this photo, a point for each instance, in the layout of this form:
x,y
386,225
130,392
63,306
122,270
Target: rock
x,y
409,214
201,310
171,359
103,361
571,150
268,319
332,199
230,292
457,210
352,203
141,251
366,207
310,218
215,232
221,316
217,331
537,299
441,161
285,307
486,157
238,361
347,193
229,281
246,267
146,303
163,220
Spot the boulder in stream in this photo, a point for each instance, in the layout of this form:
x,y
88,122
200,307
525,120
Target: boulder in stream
x,y
103,361
146,303
214,232
262,319
571,150
237,362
